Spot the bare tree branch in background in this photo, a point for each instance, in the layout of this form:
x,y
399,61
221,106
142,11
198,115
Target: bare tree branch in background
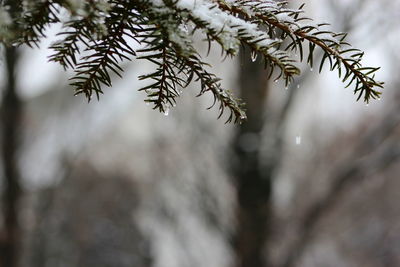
x,y
376,150
373,151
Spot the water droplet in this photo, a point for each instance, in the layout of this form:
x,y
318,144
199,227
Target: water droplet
x,y
253,56
298,86
276,80
166,112
367,105
311,69
298,140
147,103
286,87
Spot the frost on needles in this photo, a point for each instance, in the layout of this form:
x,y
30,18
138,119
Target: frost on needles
x,y
97,36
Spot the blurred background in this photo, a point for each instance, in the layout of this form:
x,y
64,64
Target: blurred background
x,y
311,179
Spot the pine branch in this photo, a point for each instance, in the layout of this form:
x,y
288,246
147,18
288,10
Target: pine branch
x,y
176,56
106,49
209,82
164,90
235,32
288,21
37,16
96,34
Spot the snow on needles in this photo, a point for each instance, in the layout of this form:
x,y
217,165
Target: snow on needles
x,y
226,25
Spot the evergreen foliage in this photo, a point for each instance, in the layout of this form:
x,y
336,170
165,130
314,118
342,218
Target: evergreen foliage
x,y
98,35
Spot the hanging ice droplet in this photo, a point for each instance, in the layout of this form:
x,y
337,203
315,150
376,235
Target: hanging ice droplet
x,y
253,56
298,140
166,112
286,87
276,80
298,86
147,103
367,105
311,69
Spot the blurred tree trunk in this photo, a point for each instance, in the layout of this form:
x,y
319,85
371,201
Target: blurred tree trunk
x,y
11,121
253,182
11,111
